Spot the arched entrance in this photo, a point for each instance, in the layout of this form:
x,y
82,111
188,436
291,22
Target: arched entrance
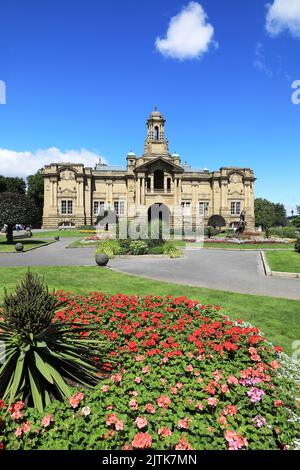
x,y
159,221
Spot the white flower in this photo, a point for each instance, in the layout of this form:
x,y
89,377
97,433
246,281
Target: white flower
x,y
86,410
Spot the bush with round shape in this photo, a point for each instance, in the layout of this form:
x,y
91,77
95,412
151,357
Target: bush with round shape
x,y
186,377
42,357
138,247
16,208
110,247
172,250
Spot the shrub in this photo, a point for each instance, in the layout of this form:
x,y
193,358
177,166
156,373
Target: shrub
x,y
40,356
157,250
138,247
172,250
297,245
188,378
110,247
210,231
87,227
283,232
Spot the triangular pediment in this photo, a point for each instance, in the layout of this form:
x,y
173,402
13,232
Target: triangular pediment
x,y
161,160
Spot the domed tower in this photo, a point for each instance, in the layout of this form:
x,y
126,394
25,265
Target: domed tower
x,y
155,143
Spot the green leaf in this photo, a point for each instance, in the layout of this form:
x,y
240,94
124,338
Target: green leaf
x,y
42,367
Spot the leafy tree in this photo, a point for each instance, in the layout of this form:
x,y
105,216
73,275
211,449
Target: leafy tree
x,y
296,222
264,213
16,209
12,185
280,215
36,191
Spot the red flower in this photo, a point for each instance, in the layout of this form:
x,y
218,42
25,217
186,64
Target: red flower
x,y
163,401
142,440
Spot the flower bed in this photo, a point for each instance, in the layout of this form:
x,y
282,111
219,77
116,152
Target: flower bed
x,y
184,377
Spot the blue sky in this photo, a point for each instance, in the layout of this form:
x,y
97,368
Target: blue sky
x,y
86,77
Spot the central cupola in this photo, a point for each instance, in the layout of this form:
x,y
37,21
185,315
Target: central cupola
x,y
156,144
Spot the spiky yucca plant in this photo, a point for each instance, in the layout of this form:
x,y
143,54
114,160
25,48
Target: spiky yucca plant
x,y
41,358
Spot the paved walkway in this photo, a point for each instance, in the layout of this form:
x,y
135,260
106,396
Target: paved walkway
x,y
235,271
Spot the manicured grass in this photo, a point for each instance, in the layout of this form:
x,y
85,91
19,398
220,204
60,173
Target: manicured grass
x,y
279,319
286,262
250,246
62,234
30,243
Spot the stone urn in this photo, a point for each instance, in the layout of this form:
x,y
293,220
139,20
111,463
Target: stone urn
x,y
19,247
101,259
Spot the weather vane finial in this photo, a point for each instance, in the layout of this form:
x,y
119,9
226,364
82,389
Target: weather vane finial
x,y
155,108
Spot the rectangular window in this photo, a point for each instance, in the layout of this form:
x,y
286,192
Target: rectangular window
x,y
186,207
235,208
203,208
98,207
119,207
66,207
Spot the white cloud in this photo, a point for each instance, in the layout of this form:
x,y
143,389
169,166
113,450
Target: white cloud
x,y
189,35
283,15
26,163
260,60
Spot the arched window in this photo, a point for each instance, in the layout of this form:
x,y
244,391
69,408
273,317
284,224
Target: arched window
x,y
159,179
156,133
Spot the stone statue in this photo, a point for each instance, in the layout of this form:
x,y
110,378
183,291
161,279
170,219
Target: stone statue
x,y
241,227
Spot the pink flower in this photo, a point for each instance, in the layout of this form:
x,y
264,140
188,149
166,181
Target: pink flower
x,y
275,365
224,388
119,425
255,394
179,385
230,410
278,403
222,420
139,358
183,445
86,411
138,380
184,423
163,401
212,401
105,388
116,378
111,419
133,404
232,380
15,410
189,368
173,390
76,399
141,422
145,369
235,441
26,427
259,421
164,432
142,440
150,409
199,406
18,432
46,421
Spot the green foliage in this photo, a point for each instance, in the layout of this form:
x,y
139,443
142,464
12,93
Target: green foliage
x,y
41,357
217,221
296,222
16,209
172,250
110,247
87,227
157,250
36,192
12,185
283,232
297,245
269,214
210,231
138,247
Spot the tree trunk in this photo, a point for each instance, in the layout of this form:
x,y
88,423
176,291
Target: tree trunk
x,y
9,234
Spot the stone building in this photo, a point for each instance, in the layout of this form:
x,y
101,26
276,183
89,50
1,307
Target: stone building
x,y
75,194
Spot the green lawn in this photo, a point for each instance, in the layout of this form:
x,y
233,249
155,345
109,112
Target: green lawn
x,y
63,234
279,319
286,262
244,246
28,244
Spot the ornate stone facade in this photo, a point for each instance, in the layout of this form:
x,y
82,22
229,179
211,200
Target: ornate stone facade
x,y
75,195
